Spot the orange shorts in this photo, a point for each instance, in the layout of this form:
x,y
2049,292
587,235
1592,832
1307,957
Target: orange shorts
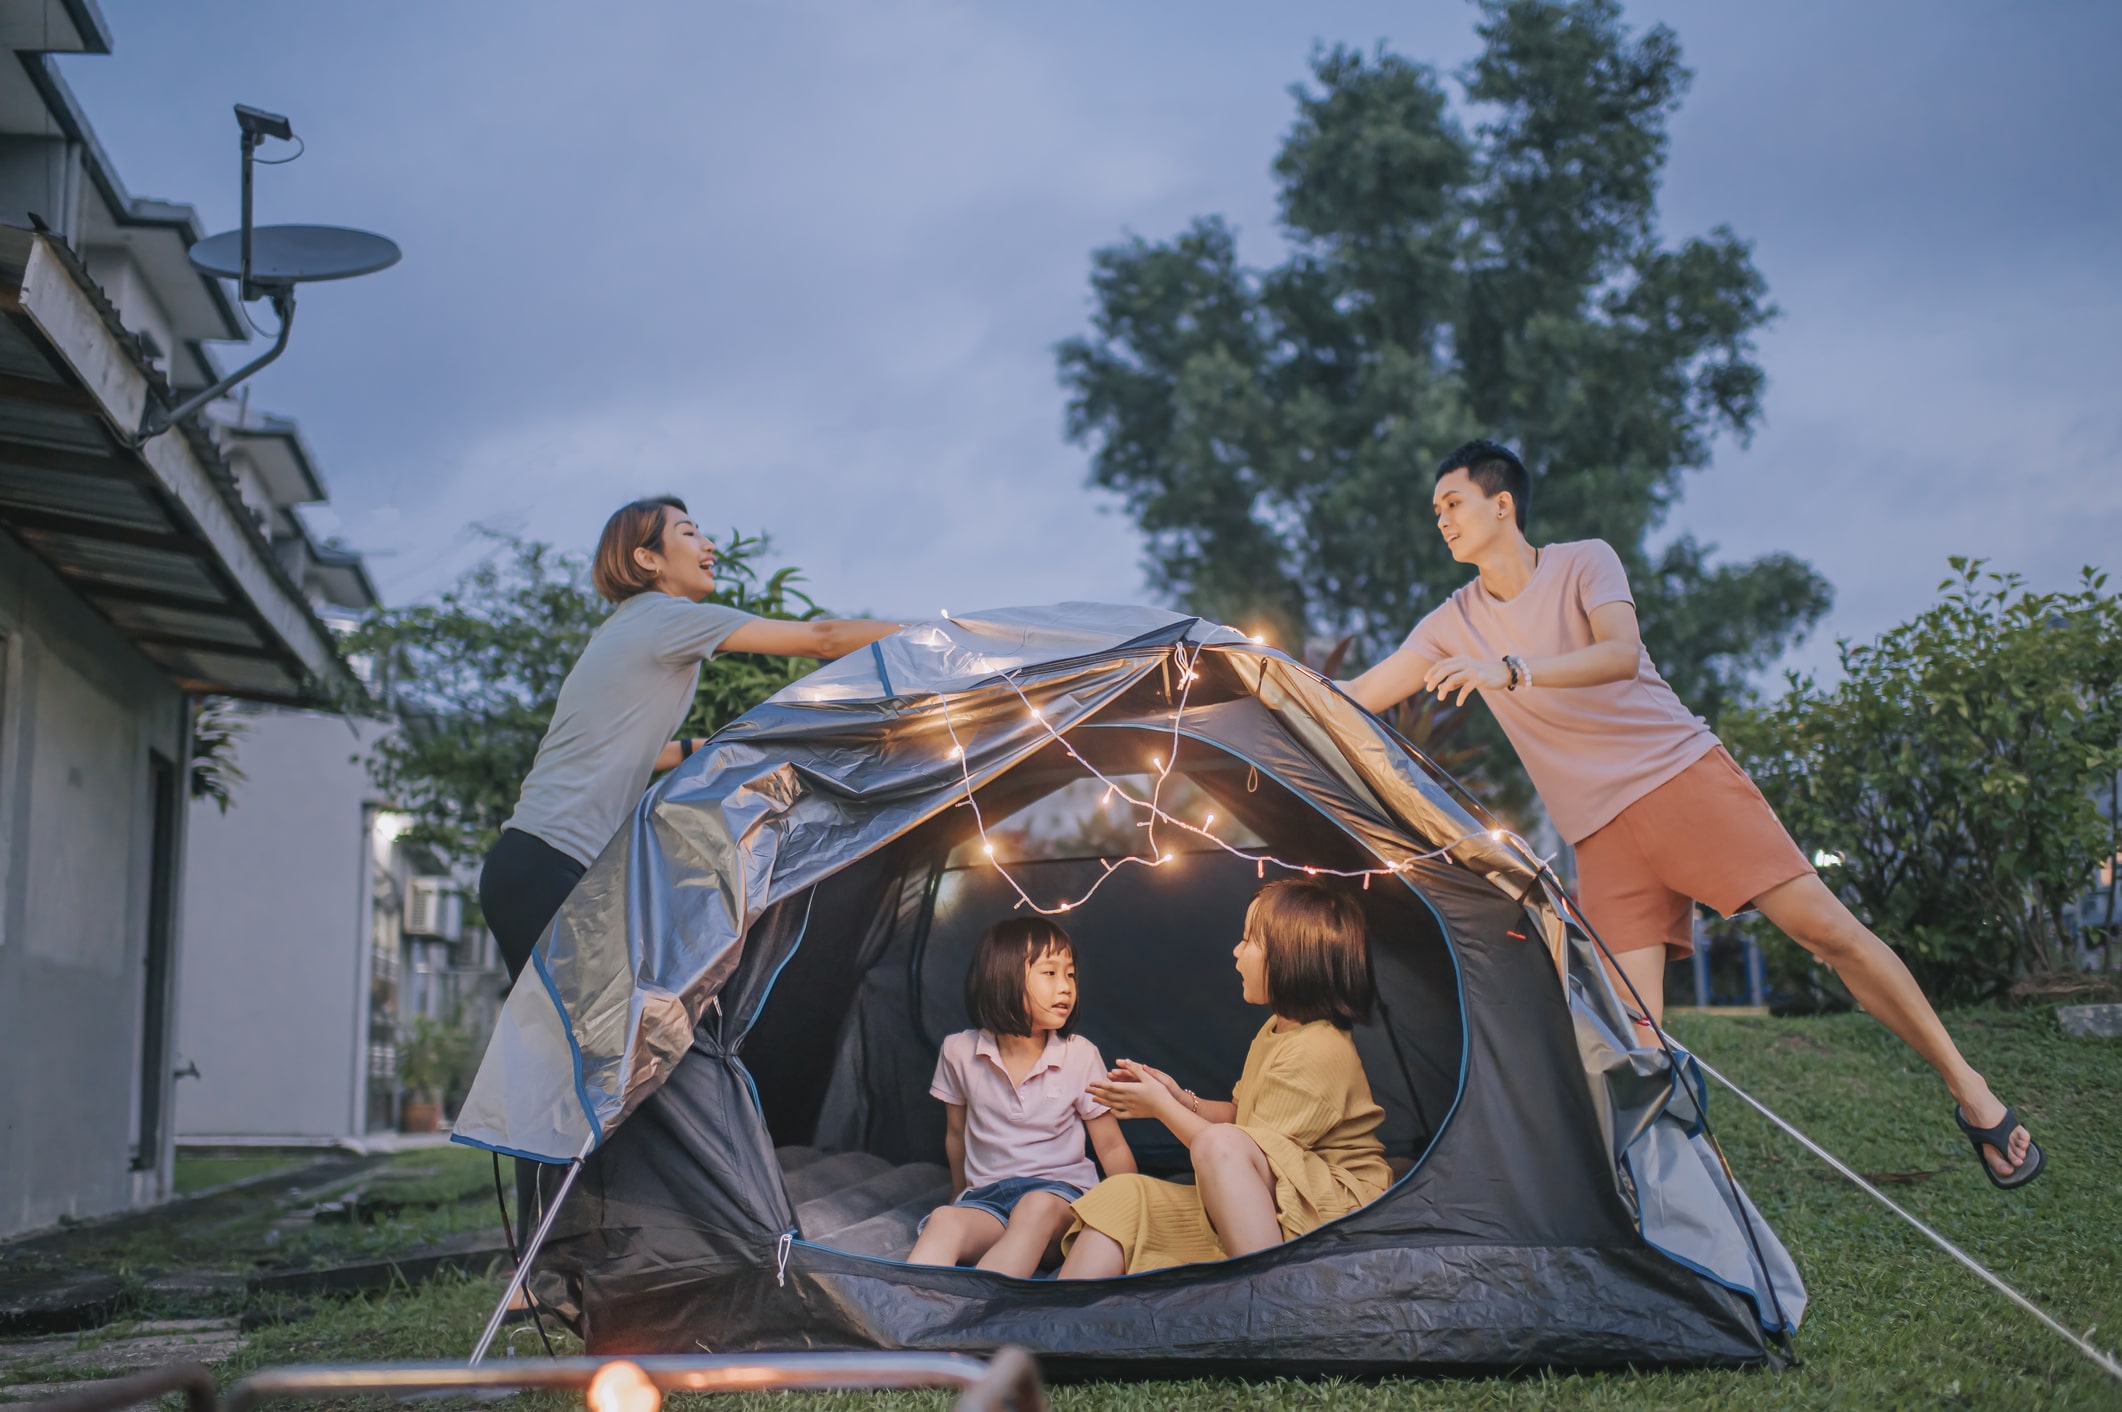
x,y
1705,835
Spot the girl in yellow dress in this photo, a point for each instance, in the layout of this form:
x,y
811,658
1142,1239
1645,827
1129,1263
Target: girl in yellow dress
x,y
1297,1145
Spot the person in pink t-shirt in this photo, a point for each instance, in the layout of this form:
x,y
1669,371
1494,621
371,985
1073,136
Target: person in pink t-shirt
x,y
1016,1090
1659,813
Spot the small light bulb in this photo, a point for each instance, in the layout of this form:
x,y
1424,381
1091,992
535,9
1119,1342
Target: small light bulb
x,y
1258,638
1207,821
1157,760
621,1386
989,849
1495,835
956,751
1064,906
1311,872
1037,714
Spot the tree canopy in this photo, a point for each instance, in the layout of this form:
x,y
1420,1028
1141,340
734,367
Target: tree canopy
x,y
1272,431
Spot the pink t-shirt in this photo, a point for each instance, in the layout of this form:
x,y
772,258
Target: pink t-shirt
x,y
1032,1129
1591,750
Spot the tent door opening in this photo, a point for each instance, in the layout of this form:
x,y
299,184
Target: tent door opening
x,y
844,1043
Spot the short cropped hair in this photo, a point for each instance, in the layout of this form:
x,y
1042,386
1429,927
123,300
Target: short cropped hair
x,y
1318,962
1495,468
994,983
638,525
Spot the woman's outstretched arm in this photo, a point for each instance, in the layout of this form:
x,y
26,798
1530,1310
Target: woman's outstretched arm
x,y
823,638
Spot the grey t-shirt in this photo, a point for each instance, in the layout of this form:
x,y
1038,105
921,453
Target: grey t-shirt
x,y
623,699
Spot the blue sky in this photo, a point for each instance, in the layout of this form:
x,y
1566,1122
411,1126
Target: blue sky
x,y
805,264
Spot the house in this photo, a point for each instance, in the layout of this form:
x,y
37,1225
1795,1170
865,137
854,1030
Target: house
x,y
313,935
134,580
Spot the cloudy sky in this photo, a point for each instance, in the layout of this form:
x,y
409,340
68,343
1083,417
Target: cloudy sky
x,y
805,264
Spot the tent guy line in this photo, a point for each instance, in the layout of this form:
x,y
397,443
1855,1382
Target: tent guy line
x,y
2103,1361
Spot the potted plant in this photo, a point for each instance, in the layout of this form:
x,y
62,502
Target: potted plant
x,y
429,1054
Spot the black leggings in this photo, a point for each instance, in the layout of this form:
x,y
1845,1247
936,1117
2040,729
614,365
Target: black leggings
x,y
522,885
520,889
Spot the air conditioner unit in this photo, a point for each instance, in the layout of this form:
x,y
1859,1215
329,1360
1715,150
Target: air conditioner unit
x,y
433,907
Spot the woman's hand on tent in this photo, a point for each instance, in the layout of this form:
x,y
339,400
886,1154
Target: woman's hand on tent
x,y
1465,675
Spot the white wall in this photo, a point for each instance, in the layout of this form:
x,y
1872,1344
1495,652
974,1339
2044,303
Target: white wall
x,y
274,1006
80,710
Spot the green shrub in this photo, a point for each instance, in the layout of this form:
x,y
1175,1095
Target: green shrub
x,y
1952,772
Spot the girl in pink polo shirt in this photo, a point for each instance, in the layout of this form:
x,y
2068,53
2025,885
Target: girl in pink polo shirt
x,y
1016,1091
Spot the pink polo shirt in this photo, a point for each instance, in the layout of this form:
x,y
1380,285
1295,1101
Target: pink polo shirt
x,y
1032,1129
1591,751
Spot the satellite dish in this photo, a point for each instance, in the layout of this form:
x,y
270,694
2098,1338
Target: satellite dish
x,y
267,262
285,255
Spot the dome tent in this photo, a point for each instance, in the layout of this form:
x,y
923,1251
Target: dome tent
x,y
736,1013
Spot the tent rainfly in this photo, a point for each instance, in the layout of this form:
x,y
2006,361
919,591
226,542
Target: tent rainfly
x,y
736,1014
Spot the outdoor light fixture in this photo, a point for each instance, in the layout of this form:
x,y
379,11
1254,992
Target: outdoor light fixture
x,y
267,262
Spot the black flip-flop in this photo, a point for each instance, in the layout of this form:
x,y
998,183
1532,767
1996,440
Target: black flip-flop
x,y
1999,1137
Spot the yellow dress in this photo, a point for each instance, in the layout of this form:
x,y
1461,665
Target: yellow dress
x,y
1304,1098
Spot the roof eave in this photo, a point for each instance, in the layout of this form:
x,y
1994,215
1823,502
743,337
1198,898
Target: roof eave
x,y
185,508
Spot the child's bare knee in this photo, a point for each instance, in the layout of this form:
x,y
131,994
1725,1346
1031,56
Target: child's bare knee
x,y
1042,1208
1221,1143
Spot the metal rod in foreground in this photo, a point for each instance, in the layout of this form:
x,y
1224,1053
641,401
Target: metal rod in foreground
x,y
194,1381
1009,1380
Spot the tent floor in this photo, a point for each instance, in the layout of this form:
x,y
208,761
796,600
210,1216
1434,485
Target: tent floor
x,y
858,1202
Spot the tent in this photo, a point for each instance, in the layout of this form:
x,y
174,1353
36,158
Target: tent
x,y
735,1016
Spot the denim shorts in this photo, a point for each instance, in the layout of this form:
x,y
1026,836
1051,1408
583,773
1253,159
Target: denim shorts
x,y
998,1199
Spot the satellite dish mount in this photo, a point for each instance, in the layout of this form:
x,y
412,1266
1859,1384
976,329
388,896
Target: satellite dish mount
x,y
267,262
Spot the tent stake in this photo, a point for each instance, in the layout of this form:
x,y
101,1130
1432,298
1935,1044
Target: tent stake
x,y
530,1253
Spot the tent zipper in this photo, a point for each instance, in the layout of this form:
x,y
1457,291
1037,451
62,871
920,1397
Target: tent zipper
x,y
781,1258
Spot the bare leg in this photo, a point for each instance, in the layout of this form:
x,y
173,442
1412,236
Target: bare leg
x,y
1237,1189
1094,1256
1645,968
955,1234
1034,1232
1811,915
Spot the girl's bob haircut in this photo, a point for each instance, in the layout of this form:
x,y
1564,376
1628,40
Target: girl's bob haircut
x,y
1318,963
638,525
994,983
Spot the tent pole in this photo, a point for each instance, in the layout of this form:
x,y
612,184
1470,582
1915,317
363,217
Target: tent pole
x,y
530,1253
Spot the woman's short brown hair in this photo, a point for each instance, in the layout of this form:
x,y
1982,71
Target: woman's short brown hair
x,y
1318,962
638,525
994,983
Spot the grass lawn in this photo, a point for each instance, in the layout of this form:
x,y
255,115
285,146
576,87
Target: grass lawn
x,y
196,1174
1893,1322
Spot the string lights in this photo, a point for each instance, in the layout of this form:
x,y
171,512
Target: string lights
x,y
1157,856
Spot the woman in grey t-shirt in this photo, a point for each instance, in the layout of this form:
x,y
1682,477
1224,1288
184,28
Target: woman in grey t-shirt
x,y
622,700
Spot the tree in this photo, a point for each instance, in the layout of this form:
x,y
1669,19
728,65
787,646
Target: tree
x,y
1954,776
473,678
1272,431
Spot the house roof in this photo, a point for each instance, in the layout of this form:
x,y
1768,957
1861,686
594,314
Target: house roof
x,y
154,537
158,234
